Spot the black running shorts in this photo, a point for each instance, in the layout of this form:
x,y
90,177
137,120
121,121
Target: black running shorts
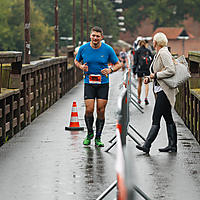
x,y
99,91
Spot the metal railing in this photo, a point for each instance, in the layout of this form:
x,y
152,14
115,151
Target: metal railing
x,y
125,183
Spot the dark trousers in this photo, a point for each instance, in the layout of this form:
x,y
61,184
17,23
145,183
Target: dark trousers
x,y
162,108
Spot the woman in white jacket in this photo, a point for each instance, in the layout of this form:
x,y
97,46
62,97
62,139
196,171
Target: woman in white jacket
x,y
162,67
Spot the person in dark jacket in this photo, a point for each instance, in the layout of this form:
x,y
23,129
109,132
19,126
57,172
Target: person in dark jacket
x,y
142,61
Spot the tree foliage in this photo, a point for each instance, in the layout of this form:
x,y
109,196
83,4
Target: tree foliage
x,y
106,18
12,28
162,13
103,16
42,22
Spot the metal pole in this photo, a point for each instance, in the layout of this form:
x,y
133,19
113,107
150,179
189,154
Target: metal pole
x,y
137,132
87,20
113,144
136,105
123,119
92,12
136,141
27,51
111,140
139,191
74,23
183,51
81,22
107,191
56,29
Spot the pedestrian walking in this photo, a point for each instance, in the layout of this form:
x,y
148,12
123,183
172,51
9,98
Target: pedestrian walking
x,y
93,59
142,60
136,44
123,56
131,55
162,67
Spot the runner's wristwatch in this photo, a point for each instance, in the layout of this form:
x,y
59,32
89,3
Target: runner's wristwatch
x,y
112,70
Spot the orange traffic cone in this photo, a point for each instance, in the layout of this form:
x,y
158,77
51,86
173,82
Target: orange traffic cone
x,y
74,123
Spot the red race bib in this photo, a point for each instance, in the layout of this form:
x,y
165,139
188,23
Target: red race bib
x,y
95,79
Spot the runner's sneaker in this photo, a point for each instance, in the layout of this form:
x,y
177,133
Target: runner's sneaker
x,y
87,140
139,101
146,101
98,142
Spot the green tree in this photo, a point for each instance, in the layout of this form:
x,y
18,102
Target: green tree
x,y
161,12
5,33
106,18
103,16
12,28
42,36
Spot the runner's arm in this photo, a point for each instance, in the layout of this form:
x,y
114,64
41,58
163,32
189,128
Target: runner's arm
x,y
110,70
117,66
81,66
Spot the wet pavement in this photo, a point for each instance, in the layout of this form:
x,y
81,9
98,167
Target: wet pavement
x,y
45,162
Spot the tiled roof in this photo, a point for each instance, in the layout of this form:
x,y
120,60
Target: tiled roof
x,y
172,32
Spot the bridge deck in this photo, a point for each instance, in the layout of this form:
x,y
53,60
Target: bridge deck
x,y
45,162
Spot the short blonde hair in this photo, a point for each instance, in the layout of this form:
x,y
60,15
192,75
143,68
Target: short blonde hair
x,y
161,39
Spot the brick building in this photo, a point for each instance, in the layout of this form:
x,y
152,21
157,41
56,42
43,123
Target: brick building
x,y
190,27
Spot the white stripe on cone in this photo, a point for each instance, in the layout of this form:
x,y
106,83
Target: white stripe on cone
x,y
74,109
74,119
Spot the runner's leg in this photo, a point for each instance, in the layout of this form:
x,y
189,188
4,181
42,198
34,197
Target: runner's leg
x,y
89,119
101,105
89,96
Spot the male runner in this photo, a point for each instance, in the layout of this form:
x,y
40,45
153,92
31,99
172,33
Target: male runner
x,y
95,56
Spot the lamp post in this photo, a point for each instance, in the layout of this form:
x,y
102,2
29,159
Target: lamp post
x,y
92,12
183,38
27,50
81,22
87,20
74,23
56,30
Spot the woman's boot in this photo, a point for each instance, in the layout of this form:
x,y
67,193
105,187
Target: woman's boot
x,y
150,138
172,138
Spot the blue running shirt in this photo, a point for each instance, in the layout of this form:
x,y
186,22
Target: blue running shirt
x,y
96,59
